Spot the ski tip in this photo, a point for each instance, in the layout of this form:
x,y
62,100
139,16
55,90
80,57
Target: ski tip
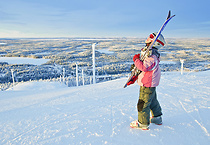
x,y
125,86
169,14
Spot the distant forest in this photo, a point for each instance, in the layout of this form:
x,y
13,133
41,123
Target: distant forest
x,y
113,56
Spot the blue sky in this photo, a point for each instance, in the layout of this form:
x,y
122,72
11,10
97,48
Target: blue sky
x,y
103,18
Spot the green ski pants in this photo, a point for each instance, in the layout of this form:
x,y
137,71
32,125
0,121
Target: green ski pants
x,y
148,102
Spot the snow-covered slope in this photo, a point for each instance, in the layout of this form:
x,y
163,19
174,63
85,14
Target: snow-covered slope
x,y
51,113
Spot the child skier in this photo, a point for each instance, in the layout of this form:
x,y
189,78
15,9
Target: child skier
x,y
148,80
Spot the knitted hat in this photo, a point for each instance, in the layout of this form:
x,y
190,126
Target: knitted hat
x,y
159,42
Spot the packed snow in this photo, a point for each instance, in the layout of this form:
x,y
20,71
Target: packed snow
x,y
52,113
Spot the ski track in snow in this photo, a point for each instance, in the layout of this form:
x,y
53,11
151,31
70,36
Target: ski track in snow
x,y
200,124
51,113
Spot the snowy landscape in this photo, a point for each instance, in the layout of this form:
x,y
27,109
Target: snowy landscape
x,y
41,59
64,65
52,113
41,109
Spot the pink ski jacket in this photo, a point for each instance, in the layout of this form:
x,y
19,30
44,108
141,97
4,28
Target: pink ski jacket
x,y
150,75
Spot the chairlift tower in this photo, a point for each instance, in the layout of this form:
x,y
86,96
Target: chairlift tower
x,y
77,75
93,57
13,78
182,68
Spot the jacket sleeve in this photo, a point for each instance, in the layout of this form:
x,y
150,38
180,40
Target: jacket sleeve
x,y
147,64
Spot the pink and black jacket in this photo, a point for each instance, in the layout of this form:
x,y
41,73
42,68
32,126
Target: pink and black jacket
x,y
150,75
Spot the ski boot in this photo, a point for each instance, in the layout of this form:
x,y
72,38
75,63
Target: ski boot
x,y
156,120
136,124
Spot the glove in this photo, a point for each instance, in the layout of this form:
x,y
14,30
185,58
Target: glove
x,y
132,67
132,81
136,56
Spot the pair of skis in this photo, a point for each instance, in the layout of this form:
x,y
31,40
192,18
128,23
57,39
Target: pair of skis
x,y
133,73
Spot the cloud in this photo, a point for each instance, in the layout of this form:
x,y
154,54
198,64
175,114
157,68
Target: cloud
x,y
14,34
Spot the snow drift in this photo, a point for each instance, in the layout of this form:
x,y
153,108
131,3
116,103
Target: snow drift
x,y
52,113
